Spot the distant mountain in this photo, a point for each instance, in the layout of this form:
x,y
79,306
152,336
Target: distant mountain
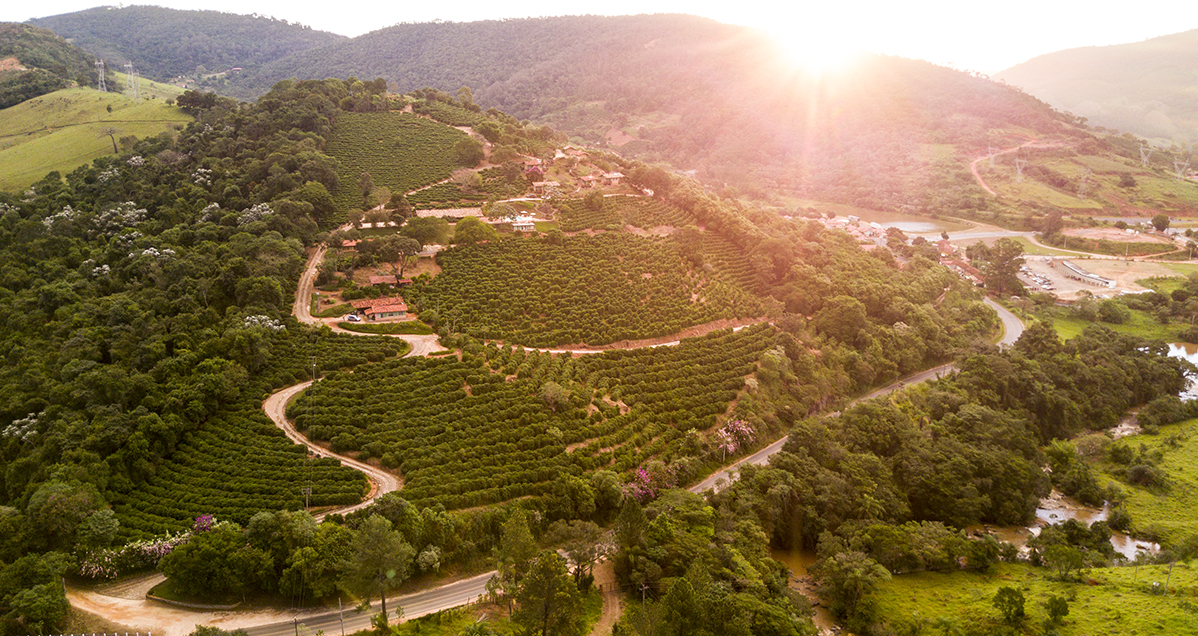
x,y
1148,88
711,97
163,43
35,61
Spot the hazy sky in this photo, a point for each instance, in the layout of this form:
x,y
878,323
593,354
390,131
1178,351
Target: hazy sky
x,y
985,37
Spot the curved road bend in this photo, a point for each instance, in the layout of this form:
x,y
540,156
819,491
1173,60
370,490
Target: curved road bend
x,y
1012,329
301,308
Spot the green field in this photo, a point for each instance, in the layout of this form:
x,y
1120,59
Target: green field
x,y
1162,284
1032,248
1114,601
1169,512
540,295
63,130
480,430
1139,324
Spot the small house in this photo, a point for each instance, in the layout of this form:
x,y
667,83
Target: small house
x,y
523,224
381,308
387,279
384,312
588,181
612,178
540,187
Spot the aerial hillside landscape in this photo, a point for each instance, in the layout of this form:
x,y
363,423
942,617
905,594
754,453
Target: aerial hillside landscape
x,y
568,336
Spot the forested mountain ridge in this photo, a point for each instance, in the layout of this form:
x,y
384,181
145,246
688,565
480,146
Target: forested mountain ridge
x,y
34,61
701,95
1144,88
163,43
724,102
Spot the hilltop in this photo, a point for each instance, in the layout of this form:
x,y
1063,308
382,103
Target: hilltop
x,y
35,61
722,101
165,43
63,130
1145,88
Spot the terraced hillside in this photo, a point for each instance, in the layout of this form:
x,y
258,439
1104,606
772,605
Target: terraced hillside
x,y
592,290
504,424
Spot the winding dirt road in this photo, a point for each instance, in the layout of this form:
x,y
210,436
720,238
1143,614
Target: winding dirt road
x,y
381,481
973,165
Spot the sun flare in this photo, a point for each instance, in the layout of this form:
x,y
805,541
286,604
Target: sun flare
x,y
814,51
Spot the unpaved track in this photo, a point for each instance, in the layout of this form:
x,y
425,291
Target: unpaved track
x,y
973,165
381,481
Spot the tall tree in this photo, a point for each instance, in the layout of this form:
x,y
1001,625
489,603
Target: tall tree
x,y
1001,271
381,561
550,604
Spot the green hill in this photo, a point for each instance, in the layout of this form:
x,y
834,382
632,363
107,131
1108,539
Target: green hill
x,y
66,129
705,96
164,43
35,61
1146,88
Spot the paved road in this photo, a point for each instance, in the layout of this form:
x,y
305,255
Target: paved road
x,y
1012,329
414,605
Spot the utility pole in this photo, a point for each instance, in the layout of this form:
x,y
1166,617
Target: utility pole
x,y
340,616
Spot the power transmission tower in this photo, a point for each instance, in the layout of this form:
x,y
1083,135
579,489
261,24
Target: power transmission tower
x,y
1019,164
131,87
992,152
1181,168
1084,185
100,86
1145,153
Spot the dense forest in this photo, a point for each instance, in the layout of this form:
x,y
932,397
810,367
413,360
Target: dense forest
x,y
44,63
163,43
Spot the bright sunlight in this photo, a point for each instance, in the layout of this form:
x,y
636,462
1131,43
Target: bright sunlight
x,y
818,51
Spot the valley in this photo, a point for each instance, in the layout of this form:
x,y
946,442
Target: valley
x,y
366,349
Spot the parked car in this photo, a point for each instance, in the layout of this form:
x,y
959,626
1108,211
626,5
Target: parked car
x,y
354,318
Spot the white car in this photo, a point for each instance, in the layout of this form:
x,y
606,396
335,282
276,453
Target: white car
x,y
354,318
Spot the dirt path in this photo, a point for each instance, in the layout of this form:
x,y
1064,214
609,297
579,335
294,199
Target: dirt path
x,y
973,165
381,481
156,618
613,608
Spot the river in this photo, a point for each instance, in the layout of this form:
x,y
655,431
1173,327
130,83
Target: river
x,y
1189,352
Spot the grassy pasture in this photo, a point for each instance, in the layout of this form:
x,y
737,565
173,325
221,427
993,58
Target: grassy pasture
x,y
1140,324
1169,512
63,130
1113,601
